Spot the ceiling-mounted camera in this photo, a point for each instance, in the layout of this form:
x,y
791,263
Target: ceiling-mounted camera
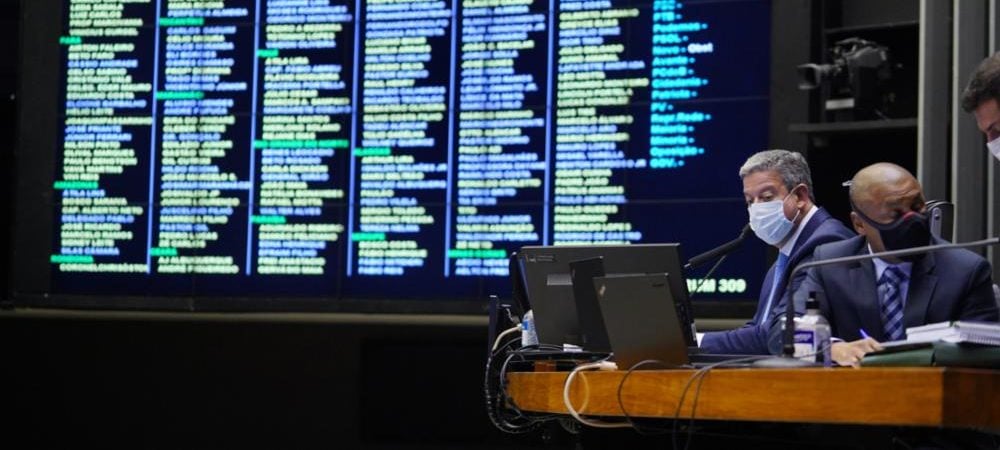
x,y
855,85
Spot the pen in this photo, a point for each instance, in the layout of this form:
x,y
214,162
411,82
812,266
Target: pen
x,y
863,334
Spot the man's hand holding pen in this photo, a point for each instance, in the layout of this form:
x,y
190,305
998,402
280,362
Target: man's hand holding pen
x,y
851,353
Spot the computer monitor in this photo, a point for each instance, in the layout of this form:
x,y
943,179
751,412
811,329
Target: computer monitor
x,y
592,330
634,308
546,273
518,291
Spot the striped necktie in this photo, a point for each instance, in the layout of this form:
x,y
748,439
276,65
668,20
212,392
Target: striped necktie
x,y
892,302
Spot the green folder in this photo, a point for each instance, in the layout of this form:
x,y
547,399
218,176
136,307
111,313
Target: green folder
x,y
945,354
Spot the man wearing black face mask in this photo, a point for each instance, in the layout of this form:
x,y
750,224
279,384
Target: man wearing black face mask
x,y
881,298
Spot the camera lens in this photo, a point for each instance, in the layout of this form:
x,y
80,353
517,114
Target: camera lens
x,y
810,76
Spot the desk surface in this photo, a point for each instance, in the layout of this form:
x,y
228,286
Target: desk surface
x,y
932,396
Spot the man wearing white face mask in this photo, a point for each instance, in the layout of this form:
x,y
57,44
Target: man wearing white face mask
x,y
782,212
981,97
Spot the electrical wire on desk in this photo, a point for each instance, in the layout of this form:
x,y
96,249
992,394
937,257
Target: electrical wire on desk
x,y
503,373
512,405
621,404
503,399
519,352
645,430
602,365
700,376
503,334
496,400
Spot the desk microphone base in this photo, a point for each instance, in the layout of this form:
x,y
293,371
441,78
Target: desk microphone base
x,y
783,362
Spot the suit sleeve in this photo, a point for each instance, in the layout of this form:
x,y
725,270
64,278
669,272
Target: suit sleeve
x,y
746,340
980,303
750,339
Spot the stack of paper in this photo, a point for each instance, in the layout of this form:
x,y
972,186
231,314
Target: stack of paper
x,y
959,331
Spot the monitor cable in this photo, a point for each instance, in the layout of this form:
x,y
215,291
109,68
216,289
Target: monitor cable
x,y
599,365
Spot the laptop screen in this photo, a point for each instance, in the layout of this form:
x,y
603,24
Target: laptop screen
x,y
546,272
641,320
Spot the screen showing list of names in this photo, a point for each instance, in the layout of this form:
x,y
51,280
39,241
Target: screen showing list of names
x,y
396,148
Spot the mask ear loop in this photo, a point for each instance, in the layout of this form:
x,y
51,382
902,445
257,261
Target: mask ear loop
x,y
863,216
876,225
797,211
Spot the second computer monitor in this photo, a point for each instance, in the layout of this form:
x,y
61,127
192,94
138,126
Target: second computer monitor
x,y
547,278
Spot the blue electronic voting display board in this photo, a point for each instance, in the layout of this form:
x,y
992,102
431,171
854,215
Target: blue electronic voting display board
x,y
394,148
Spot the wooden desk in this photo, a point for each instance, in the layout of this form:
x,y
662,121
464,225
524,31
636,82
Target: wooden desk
x,y
932,396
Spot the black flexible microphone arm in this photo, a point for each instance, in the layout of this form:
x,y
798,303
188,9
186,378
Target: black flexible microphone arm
x,y
721,250
788,338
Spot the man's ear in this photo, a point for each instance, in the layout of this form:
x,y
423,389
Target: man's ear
x,y
859,225
801,195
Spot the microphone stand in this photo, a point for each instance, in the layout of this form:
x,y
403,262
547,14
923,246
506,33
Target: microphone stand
x,y
721,250
787,358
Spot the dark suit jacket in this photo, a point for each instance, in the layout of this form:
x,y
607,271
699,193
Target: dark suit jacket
x,y
751,339
945,285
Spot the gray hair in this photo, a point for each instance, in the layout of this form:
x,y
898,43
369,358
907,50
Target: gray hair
x,y
790,166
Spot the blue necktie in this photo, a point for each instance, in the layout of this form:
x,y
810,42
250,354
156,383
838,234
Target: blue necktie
x,y
779,270
892,302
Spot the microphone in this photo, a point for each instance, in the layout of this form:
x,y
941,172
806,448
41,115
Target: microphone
x,y
787,358
721,250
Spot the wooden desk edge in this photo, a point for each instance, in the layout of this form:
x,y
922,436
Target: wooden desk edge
x,y
917,396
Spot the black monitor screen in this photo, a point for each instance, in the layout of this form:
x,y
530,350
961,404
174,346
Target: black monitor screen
x,y
260,153
549,285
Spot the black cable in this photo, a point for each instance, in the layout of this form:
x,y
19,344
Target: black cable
x,y
495,403
520,352
680,404
503,388
700,375
528,348
621,405
512,405
694,407
628,373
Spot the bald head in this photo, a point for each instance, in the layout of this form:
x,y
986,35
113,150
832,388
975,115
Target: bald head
x,y
872,183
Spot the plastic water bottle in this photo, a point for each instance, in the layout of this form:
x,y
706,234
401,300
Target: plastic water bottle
x,y
528,334
812,334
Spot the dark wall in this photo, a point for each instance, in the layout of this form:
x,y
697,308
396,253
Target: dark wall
x,y
802,32
852,13
791,33
224,384
8,86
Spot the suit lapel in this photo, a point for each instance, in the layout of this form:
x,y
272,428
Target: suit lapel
x,y
808,229
865,297
918,299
